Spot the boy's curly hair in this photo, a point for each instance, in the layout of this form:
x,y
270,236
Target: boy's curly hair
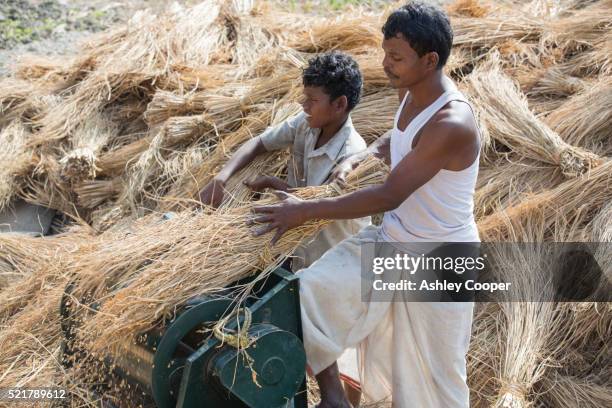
x,y
337,73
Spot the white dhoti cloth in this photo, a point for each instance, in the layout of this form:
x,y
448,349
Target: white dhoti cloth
x,y
413,353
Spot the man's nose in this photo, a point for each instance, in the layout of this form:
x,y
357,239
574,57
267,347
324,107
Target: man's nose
x,y
385,63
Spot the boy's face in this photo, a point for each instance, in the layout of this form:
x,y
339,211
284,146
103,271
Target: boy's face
x,y
403,65
319,107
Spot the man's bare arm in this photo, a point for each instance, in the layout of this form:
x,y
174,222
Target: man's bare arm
x,y
416,168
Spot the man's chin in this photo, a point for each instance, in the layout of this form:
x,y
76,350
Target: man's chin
x,y
394,82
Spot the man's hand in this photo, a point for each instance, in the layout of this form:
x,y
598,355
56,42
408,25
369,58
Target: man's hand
x,y
282,217
260,183
212,193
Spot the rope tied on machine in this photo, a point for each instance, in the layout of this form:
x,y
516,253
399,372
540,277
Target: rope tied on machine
x,y
238,339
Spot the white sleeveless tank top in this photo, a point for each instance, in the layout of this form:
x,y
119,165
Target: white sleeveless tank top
x,y
442,210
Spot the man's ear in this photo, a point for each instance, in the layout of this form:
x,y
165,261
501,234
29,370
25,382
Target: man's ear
x,y
431,60
341,103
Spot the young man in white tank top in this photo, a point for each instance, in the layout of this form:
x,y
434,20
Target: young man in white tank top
x,y
412,352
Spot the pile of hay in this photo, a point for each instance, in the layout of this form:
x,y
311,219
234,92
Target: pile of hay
x,y
147,113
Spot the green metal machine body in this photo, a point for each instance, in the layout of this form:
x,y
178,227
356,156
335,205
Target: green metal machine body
x,y
181,365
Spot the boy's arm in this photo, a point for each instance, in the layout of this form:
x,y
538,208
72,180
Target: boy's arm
x,y
243,156
212,193
260,183
275,138
380,148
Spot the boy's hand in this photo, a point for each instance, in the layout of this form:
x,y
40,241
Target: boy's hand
x,y
282,217
347,165
260,183
212,193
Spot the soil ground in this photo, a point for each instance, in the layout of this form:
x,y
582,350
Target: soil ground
x,y
56,27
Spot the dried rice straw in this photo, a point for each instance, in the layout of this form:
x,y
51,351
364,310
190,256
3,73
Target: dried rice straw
x,y
527,332
571,202
343,34
374,114
503,184
195,179
584,120
569,392
86,143
15,161
509,121
489,31
468,8
127,311
165,105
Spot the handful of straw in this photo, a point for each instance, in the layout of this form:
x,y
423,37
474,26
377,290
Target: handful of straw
x,y
189,255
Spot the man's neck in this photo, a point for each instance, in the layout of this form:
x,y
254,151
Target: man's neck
x,y
426,91
328,131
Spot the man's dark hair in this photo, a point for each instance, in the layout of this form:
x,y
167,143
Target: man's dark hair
x,y
425,27
337,73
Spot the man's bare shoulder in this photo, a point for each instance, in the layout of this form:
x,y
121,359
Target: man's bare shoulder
x,y
453,125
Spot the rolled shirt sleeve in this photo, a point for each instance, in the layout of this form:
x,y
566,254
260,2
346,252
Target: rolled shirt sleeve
x,y
283,135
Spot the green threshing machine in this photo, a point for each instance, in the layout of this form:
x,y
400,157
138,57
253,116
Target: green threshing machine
x,y
181,365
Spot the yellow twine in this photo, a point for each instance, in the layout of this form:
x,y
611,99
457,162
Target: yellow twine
x,y
239,339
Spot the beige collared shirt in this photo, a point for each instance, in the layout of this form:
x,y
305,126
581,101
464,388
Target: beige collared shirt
x,y
311,167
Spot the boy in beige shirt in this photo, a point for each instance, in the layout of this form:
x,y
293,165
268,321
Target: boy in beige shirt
x,y
319,138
